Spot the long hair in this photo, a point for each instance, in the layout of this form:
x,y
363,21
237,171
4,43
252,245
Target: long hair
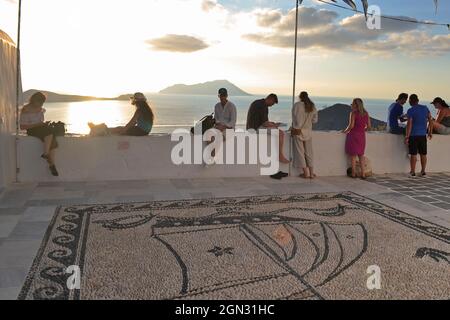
x,y
145,110
309,105
444,104
360,106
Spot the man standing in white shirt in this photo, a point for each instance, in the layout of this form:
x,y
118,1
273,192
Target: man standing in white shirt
x,y
225,112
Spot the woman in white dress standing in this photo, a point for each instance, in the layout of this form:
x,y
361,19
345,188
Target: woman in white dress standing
x,y
304,115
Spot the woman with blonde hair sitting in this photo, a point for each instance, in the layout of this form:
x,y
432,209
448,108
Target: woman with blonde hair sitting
x,y
304,115
355,144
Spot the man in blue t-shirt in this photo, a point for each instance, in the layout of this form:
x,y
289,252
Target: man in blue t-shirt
x,y
416,133
395,115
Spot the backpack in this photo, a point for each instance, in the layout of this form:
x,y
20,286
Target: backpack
x,y
58,128
207,122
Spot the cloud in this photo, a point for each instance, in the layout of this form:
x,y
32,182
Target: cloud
x,y
320,29
208,5
177,43
309,18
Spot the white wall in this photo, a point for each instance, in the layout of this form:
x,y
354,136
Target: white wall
x,y
7,111
129,158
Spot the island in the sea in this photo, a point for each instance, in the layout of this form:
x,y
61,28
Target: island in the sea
x,y
58,97
337,117
206,88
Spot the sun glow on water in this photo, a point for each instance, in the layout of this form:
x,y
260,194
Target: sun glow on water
x,y
112,113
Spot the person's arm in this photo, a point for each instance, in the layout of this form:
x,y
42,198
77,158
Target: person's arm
x,y
267,123
315,118
233,120
351,123
430,126
408,129
133,120
29,126
440,116
270,124
400,115
369,124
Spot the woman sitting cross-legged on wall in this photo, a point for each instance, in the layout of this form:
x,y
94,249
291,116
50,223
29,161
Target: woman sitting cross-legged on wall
x,y
442,123
32,120
355,144
141,123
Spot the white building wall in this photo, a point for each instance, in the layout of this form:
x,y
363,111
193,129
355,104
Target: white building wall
x,y
7,111
129,158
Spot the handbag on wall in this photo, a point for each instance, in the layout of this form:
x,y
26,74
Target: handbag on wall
x,y
207,122
58,128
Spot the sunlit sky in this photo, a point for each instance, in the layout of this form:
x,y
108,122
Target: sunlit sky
x,y
111,47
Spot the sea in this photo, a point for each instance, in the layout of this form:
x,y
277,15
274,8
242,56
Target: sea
x,y
181,111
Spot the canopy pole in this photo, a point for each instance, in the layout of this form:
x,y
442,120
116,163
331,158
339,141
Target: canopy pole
x,y
19,20
298,2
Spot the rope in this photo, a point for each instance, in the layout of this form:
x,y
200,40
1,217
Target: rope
x,y
390,18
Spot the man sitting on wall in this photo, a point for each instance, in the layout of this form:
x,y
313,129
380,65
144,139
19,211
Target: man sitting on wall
x,y
258,118
396,116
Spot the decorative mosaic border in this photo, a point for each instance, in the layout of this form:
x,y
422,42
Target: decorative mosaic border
x,y
73,223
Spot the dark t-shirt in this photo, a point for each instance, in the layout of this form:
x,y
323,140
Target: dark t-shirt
x,y
258,114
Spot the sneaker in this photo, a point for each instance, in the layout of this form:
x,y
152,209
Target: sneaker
x,y
284,174
54,171
412,174
423,174
277,176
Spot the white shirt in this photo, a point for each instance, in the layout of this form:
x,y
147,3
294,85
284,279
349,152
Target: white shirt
x,y
30,118
226,115
303,120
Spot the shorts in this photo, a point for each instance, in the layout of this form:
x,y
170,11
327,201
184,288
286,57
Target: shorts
x,y
418,145
41,132
135,132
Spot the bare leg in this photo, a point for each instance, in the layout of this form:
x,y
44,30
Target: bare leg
x,y
362,164
423,162
51,157
413,163
117,130
306,173
47,144
353,159
281,142
312,175
436,126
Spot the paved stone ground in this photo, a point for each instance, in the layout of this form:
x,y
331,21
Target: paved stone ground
x,y
26,209
433,189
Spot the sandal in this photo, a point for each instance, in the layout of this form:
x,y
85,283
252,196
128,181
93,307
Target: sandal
x,y
313,176
304,176
53,170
